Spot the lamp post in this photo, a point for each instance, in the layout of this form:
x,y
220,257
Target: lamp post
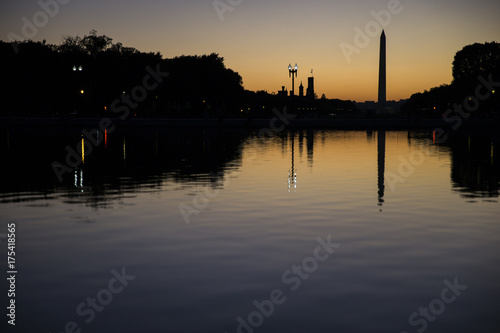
x,y
79,69
292,72
79,88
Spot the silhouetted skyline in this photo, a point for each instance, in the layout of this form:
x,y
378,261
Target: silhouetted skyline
x,y
258,38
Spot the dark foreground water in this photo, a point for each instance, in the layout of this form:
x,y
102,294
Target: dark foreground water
x,y
227,231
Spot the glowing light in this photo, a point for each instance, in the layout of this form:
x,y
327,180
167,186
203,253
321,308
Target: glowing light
x,y
493,91
105,138
492,153
81,91
83,150
434,137
106,108
80,68
74,68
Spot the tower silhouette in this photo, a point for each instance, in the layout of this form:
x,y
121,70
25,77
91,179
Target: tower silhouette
x,y
382,77
310,88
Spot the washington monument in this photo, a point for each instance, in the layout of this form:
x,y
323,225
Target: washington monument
x,y
381,77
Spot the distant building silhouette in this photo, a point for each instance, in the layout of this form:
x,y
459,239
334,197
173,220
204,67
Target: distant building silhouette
x,y
370,107
283,92
310,88
382,76
301,90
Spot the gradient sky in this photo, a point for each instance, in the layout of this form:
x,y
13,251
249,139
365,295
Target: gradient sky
x,y
259,38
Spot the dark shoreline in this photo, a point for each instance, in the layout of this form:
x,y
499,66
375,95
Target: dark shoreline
x,y
254,123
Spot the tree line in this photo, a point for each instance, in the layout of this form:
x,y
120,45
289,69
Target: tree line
x,y
469,64
84,76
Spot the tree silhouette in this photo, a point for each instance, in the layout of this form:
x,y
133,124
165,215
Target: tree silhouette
x,y
474,60
469,63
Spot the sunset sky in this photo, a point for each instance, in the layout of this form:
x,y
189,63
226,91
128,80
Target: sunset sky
x,y
258,38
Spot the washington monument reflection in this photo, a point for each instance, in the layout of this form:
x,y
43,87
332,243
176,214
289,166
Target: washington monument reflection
x,y
381,166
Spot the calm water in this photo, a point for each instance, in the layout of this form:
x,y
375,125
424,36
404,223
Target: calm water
x,y
208,226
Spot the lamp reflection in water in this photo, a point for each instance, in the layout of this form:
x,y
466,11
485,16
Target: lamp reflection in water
x,y
83,149
492,153
79,173
79,178
292,174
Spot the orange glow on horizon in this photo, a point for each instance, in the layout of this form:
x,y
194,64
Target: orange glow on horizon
x,y
259,39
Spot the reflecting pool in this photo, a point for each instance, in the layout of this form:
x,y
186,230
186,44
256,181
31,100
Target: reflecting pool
x,y
218,230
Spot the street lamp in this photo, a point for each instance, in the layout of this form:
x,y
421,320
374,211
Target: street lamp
x,y
79,84
78,69
292,72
